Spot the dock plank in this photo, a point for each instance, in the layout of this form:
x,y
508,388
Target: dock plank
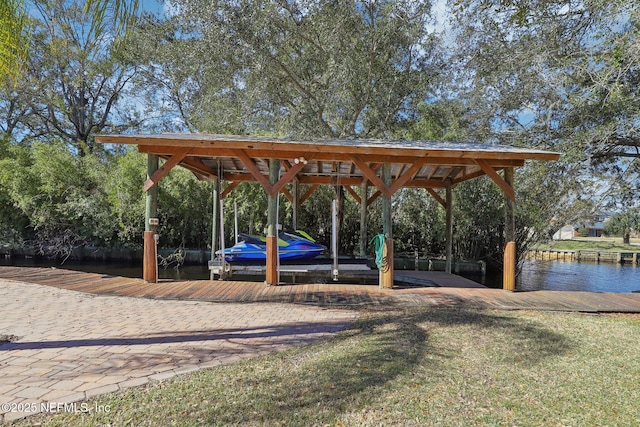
x,y
446,294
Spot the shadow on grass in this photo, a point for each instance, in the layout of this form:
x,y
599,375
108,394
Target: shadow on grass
x,y
377,365
352,370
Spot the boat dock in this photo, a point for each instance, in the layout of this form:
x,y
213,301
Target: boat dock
x,y
448,291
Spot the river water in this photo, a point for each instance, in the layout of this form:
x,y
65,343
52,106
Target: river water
x,y
575,276
536,275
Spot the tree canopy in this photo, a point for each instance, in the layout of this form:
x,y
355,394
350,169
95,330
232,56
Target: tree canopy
x,y
551,74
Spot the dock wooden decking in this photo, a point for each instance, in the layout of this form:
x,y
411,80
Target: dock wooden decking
x,y
447,290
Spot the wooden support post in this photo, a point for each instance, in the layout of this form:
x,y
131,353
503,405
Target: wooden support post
x,y
150,262
272,227
509,272
364,189
295,204
386,273
215,219
448,232
510,260
509,209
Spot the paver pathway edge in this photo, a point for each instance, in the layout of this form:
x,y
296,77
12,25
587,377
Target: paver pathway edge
x,y
72,346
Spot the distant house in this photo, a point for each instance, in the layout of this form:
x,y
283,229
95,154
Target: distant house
x,y
592,229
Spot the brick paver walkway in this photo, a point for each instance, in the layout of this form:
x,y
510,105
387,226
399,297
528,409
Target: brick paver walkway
x,y
72,346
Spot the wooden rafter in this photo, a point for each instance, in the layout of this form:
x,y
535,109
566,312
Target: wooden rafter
x,y
436,196
491,173
271,190
353,193
469,176
409,174
287,194
286,178
229,189
371,175
196,166
373,197
375,160
165,169
308,193
253,169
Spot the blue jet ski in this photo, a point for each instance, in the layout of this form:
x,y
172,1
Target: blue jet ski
x,y
292,246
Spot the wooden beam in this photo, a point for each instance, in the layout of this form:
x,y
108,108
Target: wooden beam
x,y
353,193
272,227
165,169
285,147
253,169
374,159
195,165
371,176
409,174
286,178
448,228
374,197
437,197
491,173
509,267
309,192
386,272
295,204
242,177
287,194
509,210
469,176
149,263
329,180
229,189
363,218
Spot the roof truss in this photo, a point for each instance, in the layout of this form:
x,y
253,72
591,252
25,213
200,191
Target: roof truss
x,y
417,164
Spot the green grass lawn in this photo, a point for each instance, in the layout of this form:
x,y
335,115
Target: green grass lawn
x,y
594,243
428,366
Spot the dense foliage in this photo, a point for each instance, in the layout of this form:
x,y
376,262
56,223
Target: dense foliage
x,y
543,74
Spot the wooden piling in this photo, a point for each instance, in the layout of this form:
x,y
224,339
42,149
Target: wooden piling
x,y
149,263
509,271
272,227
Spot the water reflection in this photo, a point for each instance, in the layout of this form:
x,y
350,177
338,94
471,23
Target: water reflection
x,y
574,276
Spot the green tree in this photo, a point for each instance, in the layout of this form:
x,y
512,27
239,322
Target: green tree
x,y
307,68
14,28
622,224
123,189
13,222
14,44
62,196
75,74
558,76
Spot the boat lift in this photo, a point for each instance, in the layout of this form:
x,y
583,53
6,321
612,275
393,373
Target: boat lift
x,y
321,268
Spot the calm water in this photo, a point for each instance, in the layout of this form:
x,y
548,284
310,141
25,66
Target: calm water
x,y
536,275
573,276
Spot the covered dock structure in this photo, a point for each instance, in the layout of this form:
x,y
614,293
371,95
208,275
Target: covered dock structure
x,y
355,164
